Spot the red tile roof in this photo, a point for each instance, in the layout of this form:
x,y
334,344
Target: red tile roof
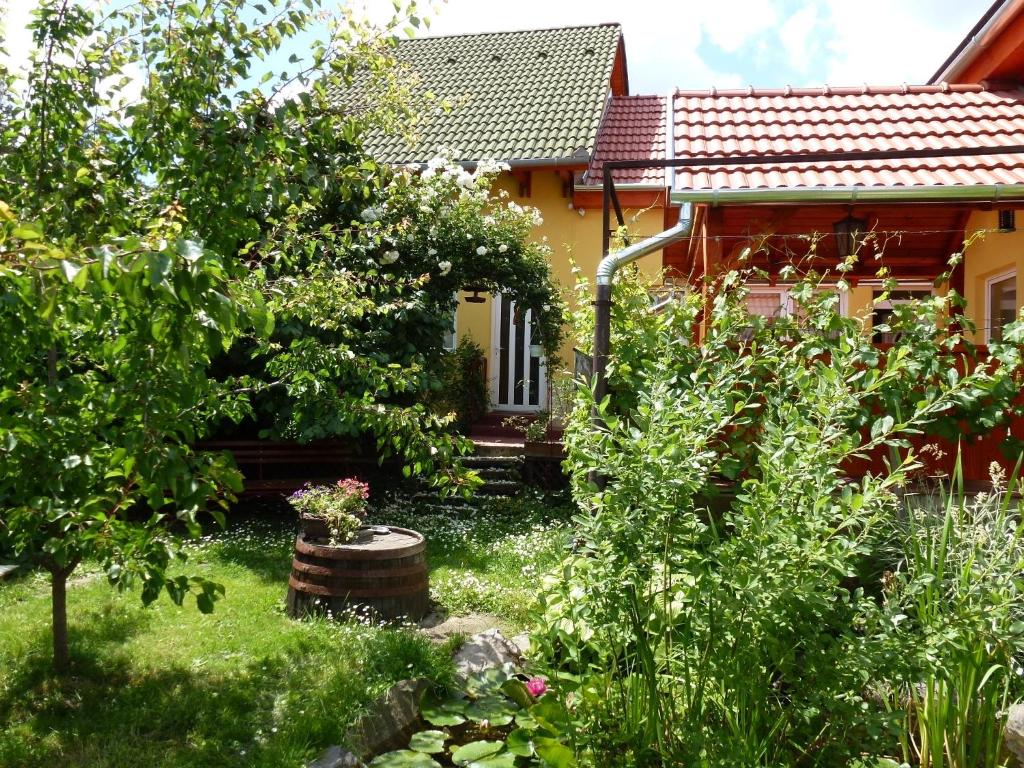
x,y
633,128
798,121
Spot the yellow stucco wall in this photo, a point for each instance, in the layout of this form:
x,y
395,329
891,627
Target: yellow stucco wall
x,y
989,254
572,235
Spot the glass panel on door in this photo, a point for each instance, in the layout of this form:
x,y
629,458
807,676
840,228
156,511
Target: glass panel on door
x,y
519,375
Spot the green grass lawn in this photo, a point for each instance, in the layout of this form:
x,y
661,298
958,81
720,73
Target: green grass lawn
x,y
246,685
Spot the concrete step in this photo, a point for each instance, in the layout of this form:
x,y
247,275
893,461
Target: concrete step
x,y
494,448
499,473
500,488
514,461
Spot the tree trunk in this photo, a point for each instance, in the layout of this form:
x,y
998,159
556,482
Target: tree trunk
x,y
59,602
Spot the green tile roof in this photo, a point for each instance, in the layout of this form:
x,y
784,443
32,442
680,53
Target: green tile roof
x,y
533,94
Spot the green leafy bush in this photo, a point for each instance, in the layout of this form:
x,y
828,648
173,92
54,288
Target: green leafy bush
x,y
462,385
725,605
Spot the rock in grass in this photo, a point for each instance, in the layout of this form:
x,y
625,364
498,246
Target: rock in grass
x,y
336,757
1014,733
487,650
391,720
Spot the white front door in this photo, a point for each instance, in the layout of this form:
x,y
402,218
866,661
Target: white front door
x,y
518,378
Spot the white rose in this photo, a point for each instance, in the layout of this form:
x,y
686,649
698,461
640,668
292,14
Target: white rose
x,y
389,257
370,214
481,251
502,248
431,251
445,266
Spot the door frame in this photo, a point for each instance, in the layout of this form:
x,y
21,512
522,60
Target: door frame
x,y
495,368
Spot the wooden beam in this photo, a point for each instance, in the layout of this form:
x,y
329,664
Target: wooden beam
x,y
711,252
957,244
525,179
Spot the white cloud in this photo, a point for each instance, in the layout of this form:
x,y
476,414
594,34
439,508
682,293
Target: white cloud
x,y
728,43
914,40
733,25
662,36
798,37
16,38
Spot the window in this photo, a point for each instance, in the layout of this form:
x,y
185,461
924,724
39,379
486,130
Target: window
x,y
450,340
768,302
883,310
775,302
1007,220
1000,304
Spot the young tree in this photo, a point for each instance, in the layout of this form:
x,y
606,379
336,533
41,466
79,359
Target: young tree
x,y
161,198
104,390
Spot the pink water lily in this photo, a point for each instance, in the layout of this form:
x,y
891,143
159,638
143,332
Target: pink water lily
x,y
536,687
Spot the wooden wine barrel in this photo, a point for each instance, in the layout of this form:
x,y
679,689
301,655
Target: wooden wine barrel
x,y
386,575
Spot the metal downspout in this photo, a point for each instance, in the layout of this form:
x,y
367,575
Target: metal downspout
x,y
606,270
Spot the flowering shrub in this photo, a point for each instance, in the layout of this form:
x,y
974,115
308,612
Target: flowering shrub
x,y
734,598
342,506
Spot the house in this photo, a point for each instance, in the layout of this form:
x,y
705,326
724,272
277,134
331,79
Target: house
x,y
965,185
536,100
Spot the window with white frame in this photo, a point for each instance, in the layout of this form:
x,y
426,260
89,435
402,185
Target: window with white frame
x,y
777,301
882,310
450,340
1000,304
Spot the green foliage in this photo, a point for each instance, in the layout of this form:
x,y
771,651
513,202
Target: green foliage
x,y
341,506
105,390
163,204
493,722
462,388
167,686
955,595
708,622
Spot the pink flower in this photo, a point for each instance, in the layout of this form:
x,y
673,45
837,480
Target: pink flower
x,y
536,687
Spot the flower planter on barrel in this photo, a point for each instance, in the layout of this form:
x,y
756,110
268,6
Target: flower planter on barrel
x,y
384,574
341,565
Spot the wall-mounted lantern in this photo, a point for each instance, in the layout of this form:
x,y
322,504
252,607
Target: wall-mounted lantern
x,y
847,231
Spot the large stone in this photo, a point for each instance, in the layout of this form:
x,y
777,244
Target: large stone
x,y
1015,732
439,628
484,651
391,721
336,757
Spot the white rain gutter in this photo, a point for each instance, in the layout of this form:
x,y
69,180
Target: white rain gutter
x,y
992,193
606,270
613,262
979,41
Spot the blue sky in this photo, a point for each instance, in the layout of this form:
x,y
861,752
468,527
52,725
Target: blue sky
x,y
735,43
700,43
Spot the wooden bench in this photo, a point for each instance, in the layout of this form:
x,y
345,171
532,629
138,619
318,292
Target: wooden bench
x,y
274,467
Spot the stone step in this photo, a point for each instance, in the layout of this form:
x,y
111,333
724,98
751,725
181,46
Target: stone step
x,y
497,448
500,488
478,462
499,473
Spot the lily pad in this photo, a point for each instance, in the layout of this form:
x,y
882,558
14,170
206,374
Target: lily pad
x,y
520,742
443,712
496,710
504,760
430,742
475,751
404,758
490,680
516,690
555,754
